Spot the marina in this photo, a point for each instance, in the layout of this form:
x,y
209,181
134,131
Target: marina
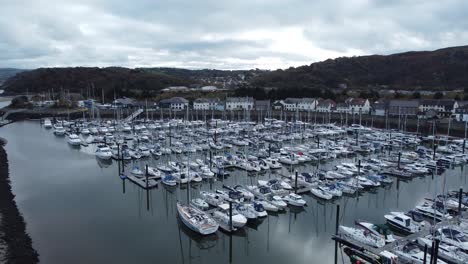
x,y
136,171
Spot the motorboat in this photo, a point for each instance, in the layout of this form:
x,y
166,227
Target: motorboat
x,y
320,193
154,173
213,199
74,140
200,204
103,152
277,201
259,209
267,205
402,223
273,163
47,124
137,172
196,219
59,130
169,180
246,210
294,199
238,220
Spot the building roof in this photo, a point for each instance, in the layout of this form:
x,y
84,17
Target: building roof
x,y
403,103
239,99
206,100
262,103
356,101
438,102
174,100
299,100
326,103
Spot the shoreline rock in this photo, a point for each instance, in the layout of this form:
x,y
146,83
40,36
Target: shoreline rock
x,y
12,226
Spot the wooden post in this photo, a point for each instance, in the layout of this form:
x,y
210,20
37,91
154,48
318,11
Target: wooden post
x,y
399,158
230,215
295,183
425,254
436,250
336,231
460,193
147,189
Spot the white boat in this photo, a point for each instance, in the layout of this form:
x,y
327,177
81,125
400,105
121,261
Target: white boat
x,y
196,219
74,140
211,198
294,199
378,230
169,180
85,132
200,204
318,192
268,206
273,163
446,252
103,152
154,173
453,236
238,220
246,210
402,223
259,209
412,253
277,201
429,210
59,130
362,236
137,172
47,124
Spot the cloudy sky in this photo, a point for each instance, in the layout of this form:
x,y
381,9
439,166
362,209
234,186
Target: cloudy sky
x,y
240,34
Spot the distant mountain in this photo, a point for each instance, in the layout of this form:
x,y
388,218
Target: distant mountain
x,y
85,80
441,69
6,73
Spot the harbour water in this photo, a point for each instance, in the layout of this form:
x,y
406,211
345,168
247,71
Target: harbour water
x,y
78,210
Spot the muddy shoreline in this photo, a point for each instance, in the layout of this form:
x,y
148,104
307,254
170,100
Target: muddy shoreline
x,y
12,226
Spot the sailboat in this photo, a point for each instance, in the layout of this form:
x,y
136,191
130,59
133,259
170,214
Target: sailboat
x,y
196,219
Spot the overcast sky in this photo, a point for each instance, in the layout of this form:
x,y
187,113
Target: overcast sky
x,y
238,34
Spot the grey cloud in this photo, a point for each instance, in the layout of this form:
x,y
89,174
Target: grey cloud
x,y
220,34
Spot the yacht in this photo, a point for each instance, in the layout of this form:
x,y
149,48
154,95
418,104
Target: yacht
x,y
402,223
103,152
294,199
196,219
59,130
378,230
47,124
211,198
238,220
453,236
363,236
412,253
74,140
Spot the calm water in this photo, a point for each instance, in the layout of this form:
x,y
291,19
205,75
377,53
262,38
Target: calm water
x,y
78,210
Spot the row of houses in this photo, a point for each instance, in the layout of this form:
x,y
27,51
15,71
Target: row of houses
x,y
441,108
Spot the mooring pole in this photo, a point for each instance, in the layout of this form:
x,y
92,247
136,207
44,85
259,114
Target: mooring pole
x,y
425,254
460,193
118,157
432,253
399,158
147,189
436,251
434,153
464,142
336,231
230,215
295,184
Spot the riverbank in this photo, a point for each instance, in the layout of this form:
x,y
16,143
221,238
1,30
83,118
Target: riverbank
x,y
15,243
